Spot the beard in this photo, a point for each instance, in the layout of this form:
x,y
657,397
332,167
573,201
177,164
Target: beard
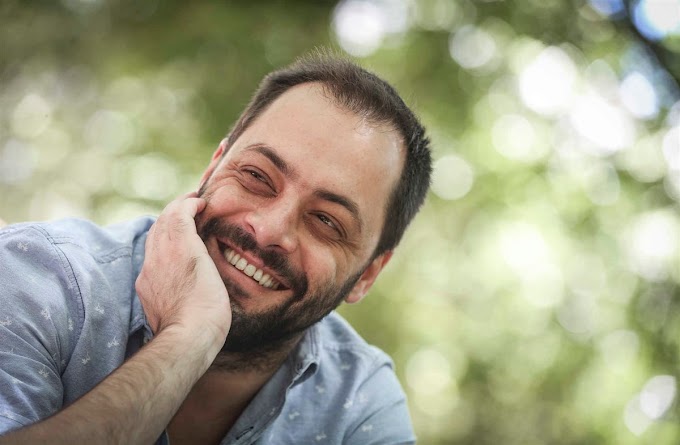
x,y
253,337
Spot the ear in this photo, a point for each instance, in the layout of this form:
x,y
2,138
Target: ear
x,y
367,279
216,158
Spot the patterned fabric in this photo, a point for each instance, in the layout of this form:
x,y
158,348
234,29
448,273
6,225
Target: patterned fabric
x,y
69,316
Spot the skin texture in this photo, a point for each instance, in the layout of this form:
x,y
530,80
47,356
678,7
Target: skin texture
x,y
289,199
269,200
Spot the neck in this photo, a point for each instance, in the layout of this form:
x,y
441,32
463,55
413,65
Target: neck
x,y
214,404
259,361
220,396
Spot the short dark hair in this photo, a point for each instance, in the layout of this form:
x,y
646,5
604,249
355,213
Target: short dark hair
x,y
369,96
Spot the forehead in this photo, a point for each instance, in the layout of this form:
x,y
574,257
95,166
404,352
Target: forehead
x,y
329,147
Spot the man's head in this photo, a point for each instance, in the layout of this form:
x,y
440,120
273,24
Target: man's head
x,y
314,187
367,95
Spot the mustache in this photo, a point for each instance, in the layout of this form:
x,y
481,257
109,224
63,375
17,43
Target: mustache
x,y
273,259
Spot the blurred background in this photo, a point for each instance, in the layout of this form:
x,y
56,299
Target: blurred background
x,y
534,301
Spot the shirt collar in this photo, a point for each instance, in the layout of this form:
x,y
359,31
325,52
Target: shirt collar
x,y
304,359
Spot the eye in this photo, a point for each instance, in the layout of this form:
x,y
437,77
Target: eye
x,y
256,175
257,181
328,226
326,220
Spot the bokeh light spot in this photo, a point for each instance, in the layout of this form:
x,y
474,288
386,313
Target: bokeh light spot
x,y
16,162
657,396
452,177
514,137
428,372
472,47
657,18
634,418
578,315
638,96
602,124
153,176
523,246
652,241
31,116
362,25
607,7
546,84
645,159
602,185
110,130
619,349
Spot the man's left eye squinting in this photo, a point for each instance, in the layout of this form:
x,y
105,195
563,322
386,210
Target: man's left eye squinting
x,y
324,219
257,176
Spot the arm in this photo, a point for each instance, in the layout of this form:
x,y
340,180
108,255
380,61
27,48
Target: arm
x,y
136,402
187,305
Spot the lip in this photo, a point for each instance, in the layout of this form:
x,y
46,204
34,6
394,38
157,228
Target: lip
x,y
222,245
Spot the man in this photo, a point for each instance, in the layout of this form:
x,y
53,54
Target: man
x,y
214,323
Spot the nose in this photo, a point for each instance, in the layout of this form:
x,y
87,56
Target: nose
x,y
274,225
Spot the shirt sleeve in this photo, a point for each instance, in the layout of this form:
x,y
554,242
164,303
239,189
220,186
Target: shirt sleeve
x,y
385,418
38,324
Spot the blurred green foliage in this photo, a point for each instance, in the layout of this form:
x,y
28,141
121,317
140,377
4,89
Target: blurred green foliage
x,y
535,300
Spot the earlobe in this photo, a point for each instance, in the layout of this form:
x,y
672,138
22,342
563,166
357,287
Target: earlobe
x,y
216,158
367,279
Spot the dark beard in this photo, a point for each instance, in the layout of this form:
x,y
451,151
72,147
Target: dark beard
x,y
254,340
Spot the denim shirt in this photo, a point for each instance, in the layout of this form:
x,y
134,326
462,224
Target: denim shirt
x,y
69,316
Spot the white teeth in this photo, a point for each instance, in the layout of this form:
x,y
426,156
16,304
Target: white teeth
x,y
256,274
264,279
249,270
241,264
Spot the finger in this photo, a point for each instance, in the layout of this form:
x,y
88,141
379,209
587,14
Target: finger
x,y
184,207
178,218
193,194
191,207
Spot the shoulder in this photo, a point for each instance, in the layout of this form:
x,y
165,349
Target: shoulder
x,y
50,268
351,364
356,388
68,289
76,235
93,239
336,338
31,260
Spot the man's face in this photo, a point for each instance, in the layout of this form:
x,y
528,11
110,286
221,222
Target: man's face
x,y
297,205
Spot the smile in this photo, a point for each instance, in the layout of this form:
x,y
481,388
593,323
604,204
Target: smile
x,y
253,272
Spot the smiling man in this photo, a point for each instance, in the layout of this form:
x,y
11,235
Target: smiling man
x,y
215,323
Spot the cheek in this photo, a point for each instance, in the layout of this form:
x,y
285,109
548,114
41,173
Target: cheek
x,y
321,267
225,196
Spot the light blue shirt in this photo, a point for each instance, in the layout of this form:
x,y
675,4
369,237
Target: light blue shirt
x,y
69,316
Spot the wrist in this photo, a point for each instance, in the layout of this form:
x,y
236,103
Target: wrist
x,y
197,340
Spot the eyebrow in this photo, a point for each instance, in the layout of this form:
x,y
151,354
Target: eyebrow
x,y
347,203
274,158
289,172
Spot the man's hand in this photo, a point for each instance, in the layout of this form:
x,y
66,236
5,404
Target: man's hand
x,y
179,283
